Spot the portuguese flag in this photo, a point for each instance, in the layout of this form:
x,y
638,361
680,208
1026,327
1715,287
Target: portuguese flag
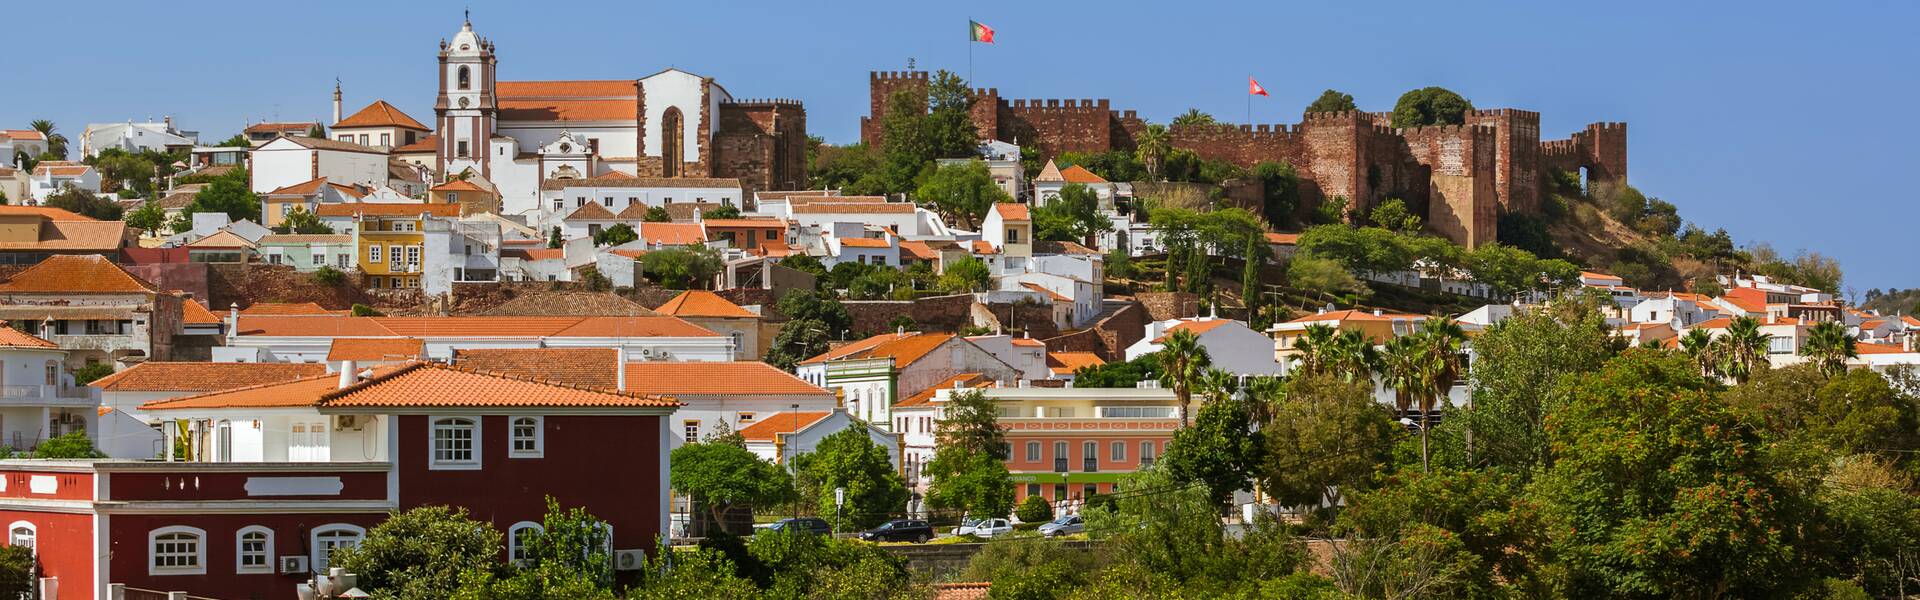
x,y
979,33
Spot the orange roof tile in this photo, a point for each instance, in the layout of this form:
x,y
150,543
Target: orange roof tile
x,y
472,326
702,303
982,247
767,430
591,211
297,128
1752,300
1284,239
1065,363
425,144
918,250
1910,320
1872,324
95,236
1042,289
159,376
1079,174
965,590
588,367
1197,327
672,234
574,88
370,209
51,213
774,249
14,338
457,186
904,348
856,242
192,312
380,114
76,273
569,110
24,134
1049,172
289,308
741,378
305,391
744,223
1012,211
969,380
1714,323
377,349
431,385
1866,348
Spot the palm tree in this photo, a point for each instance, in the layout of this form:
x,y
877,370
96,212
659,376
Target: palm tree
x,y
1315,345
1440,341
1183,362
1354,357
1400,369
1829,346
1152,147
1262,394
56,143
1698,344
1743,349
1193,116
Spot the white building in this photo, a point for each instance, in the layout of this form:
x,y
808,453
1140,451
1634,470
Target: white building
x,y
784,436
307,338
51,176
380,126
135,137
1233,346
287,161
629,197
38,400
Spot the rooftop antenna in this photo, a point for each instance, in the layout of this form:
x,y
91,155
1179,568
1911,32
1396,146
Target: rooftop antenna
x,y
909,63
466,14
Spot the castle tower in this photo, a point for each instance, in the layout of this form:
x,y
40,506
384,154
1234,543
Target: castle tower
x,y
466,110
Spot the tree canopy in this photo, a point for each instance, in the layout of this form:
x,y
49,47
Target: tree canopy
x,y
1430,106
1333,101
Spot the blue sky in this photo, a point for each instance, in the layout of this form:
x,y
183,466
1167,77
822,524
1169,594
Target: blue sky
x,y
1785,123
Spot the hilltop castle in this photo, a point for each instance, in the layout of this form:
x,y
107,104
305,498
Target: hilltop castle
x,y
1460,177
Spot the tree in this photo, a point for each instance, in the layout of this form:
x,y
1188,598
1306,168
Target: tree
x,y
725,211
963,192
1324,276
683,268
1174,532
1698,345
1073,216
813,306
1370,250
149,217
228,194
1743,349
950,132
619,233
1034,510
554,239
843,167
79,201
657,214
1519,362
798,340
18,573
1829,346
1430,106
72,445
726,476
1119,374
1183,361
969,274
300,221
1152,146
849,460
1280,190
1325,437
968,468
317,131
1393,215
1474,506
1193,116
1333,101
421,553
568,557
1220,450
1824,417
239,140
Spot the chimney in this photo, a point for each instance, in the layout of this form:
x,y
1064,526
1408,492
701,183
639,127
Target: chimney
x,y
336,101
1376,312
620,368
347,376
233,320
168,119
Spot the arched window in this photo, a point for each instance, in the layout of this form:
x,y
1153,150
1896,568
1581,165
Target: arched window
x,y
517,537
253,550
456,443
671,135
22,534
327,538
528,440
177,550
466,78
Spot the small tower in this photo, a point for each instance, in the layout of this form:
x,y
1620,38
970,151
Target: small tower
x,y
466,109
336,101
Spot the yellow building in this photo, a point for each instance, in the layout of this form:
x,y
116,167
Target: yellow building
x,y
388,237
1377,326
473,198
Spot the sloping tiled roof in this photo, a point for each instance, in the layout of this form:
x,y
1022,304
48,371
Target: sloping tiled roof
x,y
88,236
1197,327
1065,363
78,273
702,303
967,380
371,209
1055,296
424,145
377,349
458,186
768,429
589,367
23,134
1753,300
1060,247
904,348
381,114
591,211
569,110
741,378
288,308
573,88
297,128
157,376
1012,211
305,238
1867,348
334,145
305,391
1050,172
858,242
1079,174
471,326
14,338
192,312
1353,315
51,213
671,234
918,250
430,385
1284,239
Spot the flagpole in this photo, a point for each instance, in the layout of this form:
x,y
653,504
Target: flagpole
x,y
969,51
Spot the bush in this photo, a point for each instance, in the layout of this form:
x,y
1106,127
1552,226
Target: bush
x,y
85,375
362,310
72,445
328,276
17,571
1034,510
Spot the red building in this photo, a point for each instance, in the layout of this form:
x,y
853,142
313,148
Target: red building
x,y
278,475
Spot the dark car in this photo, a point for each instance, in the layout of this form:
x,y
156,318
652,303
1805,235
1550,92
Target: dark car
x,y
900,530
813,525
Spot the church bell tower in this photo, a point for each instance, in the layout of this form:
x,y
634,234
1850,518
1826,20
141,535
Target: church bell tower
x,y
466,110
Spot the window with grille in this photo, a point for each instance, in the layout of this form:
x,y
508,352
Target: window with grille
x,y
455,441
176,551
253,550
527,437
329,538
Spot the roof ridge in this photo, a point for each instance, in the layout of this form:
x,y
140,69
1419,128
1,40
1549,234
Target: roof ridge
x,y
164,402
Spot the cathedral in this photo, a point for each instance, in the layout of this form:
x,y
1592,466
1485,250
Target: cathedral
x,y
671,124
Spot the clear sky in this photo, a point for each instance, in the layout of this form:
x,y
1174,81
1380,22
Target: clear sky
x,y
1782,122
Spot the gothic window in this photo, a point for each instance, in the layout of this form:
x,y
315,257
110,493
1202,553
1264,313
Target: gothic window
x,y
670,140
466,78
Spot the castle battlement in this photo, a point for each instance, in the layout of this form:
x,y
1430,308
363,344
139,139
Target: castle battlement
x,y
1505,112
896,75
764,102
1058,104
1445,130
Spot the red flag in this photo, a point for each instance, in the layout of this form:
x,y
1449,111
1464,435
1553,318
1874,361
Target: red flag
x,y
1253,87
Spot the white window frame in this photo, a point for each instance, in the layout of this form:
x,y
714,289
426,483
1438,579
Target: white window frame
x,y
434,463
1033,451
516,545
539,437
33,535
318,560
240,554
199,566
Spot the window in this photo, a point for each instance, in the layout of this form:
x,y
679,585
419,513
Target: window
x,y
579,201
253,547
1146,454
373,282
345,260
176,550
559,204
453,197
53,373
739,341
22,534
1137,412
413,258
1013,236
517,537
1033,489
327,538
346,138
1119,452
1780,345
607,201
386,139
456,441
373,254
631,200
745,418
460,149
466,78
1060,457
690,430
363,139
1090,457
527,437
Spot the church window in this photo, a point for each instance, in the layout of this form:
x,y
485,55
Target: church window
x,y
466,78
670,148
460,149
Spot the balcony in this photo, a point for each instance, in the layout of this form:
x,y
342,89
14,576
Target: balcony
x,y
22,395
105,342
1090,465
1060,465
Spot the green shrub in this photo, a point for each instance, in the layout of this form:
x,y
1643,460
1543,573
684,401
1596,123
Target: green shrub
x,y
1034,510
85,375
72,445
362,310
328,276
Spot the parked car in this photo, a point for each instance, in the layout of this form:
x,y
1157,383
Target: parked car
x,y
1065,525
900,530
985,528
813,525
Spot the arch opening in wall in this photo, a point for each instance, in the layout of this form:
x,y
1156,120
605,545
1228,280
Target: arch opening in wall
x,y
466,78
672,138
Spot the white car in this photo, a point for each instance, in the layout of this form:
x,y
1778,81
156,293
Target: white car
x,y
985,528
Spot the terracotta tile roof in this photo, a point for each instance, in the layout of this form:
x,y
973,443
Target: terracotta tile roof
x,y
381,114
1354,315
425,145
370,209
768,429
14,338
534,253
591,211
773,249
702,303
569,110
982,247
297,128
50,169
1042,289
311,326
76,273
741,378
377,349
1284,239
192,312
1752,300
304,188
288,308
1866,348
1050,172
975,590
855,242
918,250
305,238
305,391
51,213
671,234
587,367
1594,275
1079,174
636,326
480,326
633,212
922,397
1028,342
1065,363
1714,323
1910,320
574,88
80,236
904,348
1197,327
622,180
831,208
744,223
158,376
430,385
457,186
1872,324
222,239
1011,211
24,134
1056,247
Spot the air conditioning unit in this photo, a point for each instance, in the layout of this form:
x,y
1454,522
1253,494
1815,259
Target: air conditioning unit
x,y
646,353
349,423
293,565
629,560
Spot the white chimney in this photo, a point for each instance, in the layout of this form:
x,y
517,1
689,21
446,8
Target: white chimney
x,y
1376,312
336,101
233,320
347,375
620,368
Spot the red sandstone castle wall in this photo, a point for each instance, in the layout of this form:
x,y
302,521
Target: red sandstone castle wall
x,y
881,86
1462,162
1516,156
763,143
